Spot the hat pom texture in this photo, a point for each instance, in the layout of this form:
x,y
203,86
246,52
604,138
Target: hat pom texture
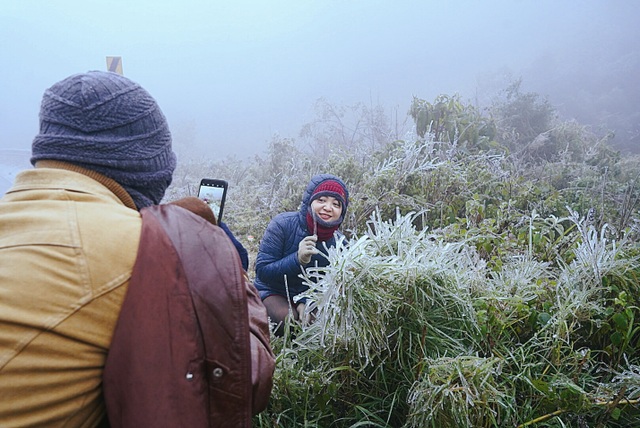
x,y
107,123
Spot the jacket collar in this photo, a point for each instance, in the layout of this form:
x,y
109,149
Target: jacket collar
x,y
109,183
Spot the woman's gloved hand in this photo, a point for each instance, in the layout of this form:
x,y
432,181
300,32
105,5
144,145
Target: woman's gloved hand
x,y
306,313
307,248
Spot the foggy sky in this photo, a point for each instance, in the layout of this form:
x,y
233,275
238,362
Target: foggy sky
x,y
231,74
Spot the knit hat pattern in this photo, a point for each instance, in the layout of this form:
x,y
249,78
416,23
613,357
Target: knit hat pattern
x,y
330,188
324,229
107,123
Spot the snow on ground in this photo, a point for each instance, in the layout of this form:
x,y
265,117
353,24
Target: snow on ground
x,y
12,161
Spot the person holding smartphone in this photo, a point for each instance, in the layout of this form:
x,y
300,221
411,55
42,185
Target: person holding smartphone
x,y
293,241
203,209
117,310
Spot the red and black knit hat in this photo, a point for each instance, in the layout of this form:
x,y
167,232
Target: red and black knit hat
x,y
324,230
330,188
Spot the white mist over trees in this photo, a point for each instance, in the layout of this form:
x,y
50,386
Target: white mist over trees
x,y
231,76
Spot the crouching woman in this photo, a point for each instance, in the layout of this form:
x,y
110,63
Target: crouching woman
x,y
293,241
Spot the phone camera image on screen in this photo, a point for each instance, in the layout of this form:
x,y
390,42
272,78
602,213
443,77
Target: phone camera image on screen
x,y
212,196
213,192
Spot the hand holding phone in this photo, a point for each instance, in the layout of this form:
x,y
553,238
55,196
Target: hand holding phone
x,y
214,192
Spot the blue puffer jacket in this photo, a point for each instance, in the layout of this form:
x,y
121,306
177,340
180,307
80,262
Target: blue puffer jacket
x,y
278,253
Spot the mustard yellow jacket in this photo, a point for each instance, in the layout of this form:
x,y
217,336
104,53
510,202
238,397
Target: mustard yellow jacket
x,y
67,249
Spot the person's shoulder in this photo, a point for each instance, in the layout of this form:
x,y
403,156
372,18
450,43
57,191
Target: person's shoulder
x,y
285,217
284,223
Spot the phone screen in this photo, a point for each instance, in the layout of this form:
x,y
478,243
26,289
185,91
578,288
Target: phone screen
x,y
214,192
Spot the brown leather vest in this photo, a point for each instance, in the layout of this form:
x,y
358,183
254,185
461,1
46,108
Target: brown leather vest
x,y
191,346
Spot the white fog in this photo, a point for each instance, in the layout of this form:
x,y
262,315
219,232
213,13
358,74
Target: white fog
x,y
230,76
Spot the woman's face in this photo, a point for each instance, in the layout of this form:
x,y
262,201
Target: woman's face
x,y
327,208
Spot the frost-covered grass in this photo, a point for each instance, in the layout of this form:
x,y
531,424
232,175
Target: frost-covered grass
x,y
413,329
487,278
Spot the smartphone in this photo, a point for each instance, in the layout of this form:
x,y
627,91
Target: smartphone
x,y
214,192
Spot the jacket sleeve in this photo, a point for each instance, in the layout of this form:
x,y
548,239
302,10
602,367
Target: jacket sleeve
x,y
262,358
278,254
242,252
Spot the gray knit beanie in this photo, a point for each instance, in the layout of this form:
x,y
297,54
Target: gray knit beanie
x,y
104,122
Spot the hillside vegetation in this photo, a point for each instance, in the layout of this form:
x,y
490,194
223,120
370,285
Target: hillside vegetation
x,y
488,276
